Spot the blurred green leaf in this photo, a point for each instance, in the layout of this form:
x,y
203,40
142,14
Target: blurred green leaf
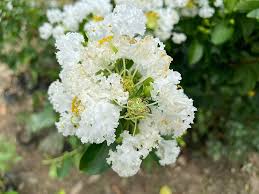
x,y
11,192
93,160
246,77
247,5
195,52
8,155
230,4
253,14
41,120
221,33
64,168
247,26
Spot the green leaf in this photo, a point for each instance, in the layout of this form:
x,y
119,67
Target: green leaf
x,y
247,5
230,5
93,160
255,47
195,52
247,26
150,161
41,120
253,14
64,169
246,77
221,33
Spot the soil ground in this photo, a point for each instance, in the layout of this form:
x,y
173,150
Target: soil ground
x,y
191,174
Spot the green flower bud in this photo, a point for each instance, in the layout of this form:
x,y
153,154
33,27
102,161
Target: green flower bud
x,y
137,108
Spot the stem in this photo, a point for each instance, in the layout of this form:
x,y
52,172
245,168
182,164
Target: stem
x,y
124,67
133,118
135,127
109,70
135,71
140,82
61,158
153,103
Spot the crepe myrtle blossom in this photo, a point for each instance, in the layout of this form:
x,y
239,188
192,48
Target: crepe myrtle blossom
x,y
163,15
72,16
118,90
158,19
126,19
179,38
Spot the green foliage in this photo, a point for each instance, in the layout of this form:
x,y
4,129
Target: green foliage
x,y
8,155
253,14
221,33
93,160
11,192
38,121
20,45
247,5
195,52
224,81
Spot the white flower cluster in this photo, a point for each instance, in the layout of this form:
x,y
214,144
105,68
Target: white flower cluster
x,y
72,16
203,8
119,89
163,15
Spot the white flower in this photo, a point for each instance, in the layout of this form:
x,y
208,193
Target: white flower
x,y
98,122
70,48
203,3
125,160
145,5
176,3
65,126
218,3
45,31
179,38
168,152
206,12
175,111
115,89
99,30
58,31
128,20
54,15
59,97
167,19
99,7
73,15
190,12
9,6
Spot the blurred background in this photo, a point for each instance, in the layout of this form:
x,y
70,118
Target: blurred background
x,y
219,64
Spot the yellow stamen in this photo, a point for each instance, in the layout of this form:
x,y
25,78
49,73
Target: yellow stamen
x,y
76,106
190,4
105,39
97,18
152,19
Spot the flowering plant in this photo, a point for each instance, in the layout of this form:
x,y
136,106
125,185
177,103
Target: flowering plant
x,y
117,94
161,16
